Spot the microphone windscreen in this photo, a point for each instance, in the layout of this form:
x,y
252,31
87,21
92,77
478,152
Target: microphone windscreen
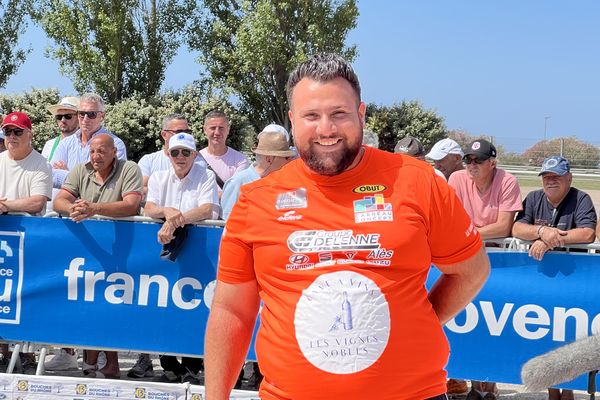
x,y
563,364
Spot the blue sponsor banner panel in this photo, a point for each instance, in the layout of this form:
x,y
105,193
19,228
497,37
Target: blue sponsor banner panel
x,y
525,309
102,284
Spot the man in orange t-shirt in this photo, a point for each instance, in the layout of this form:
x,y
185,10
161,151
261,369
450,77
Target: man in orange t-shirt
x,y
338,245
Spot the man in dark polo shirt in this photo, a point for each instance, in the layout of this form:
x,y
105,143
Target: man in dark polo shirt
x,y
104,186
553,217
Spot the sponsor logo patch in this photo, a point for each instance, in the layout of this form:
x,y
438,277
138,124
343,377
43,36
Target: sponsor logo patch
x,y
372,209
293,199
369,189
316,241
289,216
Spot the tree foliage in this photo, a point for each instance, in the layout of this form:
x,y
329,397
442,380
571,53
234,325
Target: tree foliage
x,y
13,15
392,123
249,47
578,152
116,48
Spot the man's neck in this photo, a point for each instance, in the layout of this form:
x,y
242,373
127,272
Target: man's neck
x,y
20,155
104,174
86,138
556,202
67,134
217,150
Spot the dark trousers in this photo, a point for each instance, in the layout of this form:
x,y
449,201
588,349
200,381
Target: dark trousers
x,y
170,363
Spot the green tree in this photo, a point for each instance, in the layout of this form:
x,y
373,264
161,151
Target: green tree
x,y
249,47
13,13
116,48
392,123
579,153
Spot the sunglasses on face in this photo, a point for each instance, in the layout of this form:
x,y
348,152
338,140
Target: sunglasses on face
x,y
176,131
476,160
90,114
64,116
16,132
184,152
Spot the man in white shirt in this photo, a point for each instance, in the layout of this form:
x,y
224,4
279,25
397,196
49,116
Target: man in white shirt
x,y
222,159
184,194
65,113
25,186
75,149
159,160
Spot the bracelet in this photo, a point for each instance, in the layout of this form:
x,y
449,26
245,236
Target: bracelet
x,y
539,231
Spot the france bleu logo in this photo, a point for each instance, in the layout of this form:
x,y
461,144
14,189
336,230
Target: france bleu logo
x,y
11,276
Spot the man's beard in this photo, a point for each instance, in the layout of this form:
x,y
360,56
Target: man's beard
x,y
329,164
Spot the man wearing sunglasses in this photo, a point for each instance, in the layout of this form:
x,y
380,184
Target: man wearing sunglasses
x,y
159,160
65,114
75,149
184,194
25,186
491,197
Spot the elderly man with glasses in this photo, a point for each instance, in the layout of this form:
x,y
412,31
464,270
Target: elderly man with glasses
x,y
184,194
75,149
491,197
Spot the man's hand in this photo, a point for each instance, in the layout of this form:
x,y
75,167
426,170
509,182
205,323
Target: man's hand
x,y
174,217
553,237
59,165
538,249
3,207
81,210
165,233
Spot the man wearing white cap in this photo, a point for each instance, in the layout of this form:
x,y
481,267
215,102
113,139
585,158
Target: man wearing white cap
x,y
447,156
65,113
184,194
272,152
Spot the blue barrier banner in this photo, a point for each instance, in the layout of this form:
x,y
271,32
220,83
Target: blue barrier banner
x,y
525,309
102,284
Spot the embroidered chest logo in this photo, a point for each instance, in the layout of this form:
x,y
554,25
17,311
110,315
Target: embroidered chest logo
x,y
372,208
293,199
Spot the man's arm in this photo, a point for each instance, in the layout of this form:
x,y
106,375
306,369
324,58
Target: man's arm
x,y
525,231
228,333
499,229
127,207
63,202
32,204
458,285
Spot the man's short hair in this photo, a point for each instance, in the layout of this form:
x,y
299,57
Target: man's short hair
x,y
172,117
93,98
216,114
323,67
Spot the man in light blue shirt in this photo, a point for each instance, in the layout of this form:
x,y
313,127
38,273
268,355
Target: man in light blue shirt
x,y
272,152
75,149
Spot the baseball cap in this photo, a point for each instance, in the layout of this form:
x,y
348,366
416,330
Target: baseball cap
x,y
409,145
481,148
276,128
273,144
182,140
444,147
556,164
66,103
18,119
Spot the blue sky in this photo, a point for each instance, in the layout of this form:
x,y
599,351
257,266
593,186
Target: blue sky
x,y
488,67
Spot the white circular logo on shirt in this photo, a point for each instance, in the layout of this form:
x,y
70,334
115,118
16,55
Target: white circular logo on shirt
x,y
342,322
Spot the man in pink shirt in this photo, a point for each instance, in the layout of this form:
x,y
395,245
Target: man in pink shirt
x,y
491,197
222,159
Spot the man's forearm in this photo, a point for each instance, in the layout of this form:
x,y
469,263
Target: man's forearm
x,y
31,205
458,285
117,209
198,213
580,236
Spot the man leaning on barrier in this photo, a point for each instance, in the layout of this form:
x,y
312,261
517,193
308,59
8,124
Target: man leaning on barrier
x,y
25,186
108,187
338,245
184,194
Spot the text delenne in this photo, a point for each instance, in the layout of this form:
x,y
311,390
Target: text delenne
x,y
121,288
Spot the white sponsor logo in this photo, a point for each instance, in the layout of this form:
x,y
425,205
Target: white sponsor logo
x,y
342,322
293,199
290,216
315,241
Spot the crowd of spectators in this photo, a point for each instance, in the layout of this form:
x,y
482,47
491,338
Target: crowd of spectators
x,y
83,172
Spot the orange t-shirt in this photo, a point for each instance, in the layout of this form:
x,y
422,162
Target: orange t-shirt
x,y
341,264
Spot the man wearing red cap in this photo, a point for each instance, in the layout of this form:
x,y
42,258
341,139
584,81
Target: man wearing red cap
x,y
25,186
